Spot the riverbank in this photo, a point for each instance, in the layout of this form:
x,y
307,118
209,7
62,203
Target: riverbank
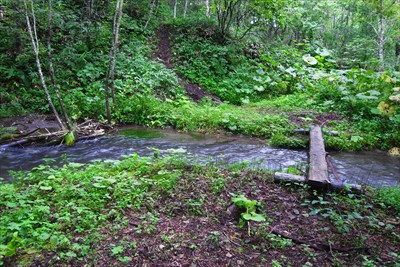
x,y
271,120
163,211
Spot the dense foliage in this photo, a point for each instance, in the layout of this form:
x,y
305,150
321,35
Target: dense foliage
x,y
335,57
275,65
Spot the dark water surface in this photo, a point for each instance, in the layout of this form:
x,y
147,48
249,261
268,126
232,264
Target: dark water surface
x,y
374,168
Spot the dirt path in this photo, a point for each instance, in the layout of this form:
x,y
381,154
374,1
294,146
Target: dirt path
x,y
195,92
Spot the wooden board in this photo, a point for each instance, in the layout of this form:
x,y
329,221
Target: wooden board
x,y
318,171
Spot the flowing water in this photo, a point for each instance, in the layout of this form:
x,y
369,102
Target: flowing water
x,y
375,168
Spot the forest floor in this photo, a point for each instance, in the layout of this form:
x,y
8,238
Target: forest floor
x,y
30,122
186,217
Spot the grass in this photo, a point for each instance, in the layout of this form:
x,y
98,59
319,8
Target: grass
x,y
143,210
273,119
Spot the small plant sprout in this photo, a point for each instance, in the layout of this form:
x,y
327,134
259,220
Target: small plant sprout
x,y
251,211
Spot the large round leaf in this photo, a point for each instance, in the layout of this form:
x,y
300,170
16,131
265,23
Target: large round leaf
x,y
310,59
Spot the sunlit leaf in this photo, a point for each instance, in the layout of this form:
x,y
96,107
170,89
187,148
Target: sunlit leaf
x,y
69,139
46,188
310,59
252,216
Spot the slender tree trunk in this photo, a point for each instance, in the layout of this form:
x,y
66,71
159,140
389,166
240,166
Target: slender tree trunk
x,y
175,6
345,34
381,43
381,36
397,53
185,8
112,59
89,16
52,75
208,8
35,46
153,8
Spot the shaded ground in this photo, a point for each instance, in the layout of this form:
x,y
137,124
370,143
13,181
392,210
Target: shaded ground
x,y
305,118
194,224
195,92
31,122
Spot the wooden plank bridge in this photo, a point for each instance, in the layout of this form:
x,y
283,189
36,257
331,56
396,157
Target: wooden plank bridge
x,y
318,174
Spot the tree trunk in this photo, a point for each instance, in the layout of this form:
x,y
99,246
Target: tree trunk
x,y
397,53
112,59
345,34
52,75
208,8
89,15
381,43
153,7
185,8
175,6
35,46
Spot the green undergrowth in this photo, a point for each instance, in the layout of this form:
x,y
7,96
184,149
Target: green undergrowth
x,y
77,211
46,208
389,196
207,117
270,119
307,79
263,88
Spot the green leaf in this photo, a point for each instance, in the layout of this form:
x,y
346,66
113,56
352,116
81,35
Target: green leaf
x,y
259,88
46,188
315,212
99,185
395,118
310,59
71,254
375,111
44,236
324,53
252,216
75,165
69,139
111,180
12,204
232,128
242,201
356,138
117,250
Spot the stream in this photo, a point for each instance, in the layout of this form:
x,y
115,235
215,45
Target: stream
x,y
373,168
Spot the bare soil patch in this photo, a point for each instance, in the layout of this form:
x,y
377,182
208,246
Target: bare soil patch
x,y
195,92
321,119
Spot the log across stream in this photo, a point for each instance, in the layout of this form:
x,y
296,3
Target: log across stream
x,y
376,168
318,172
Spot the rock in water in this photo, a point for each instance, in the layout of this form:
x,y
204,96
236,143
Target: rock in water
x,y
395,151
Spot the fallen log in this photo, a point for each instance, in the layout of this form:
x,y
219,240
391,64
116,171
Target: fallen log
x,y
16,143
287,177
337,182
93,136
319,246
86,130
29,133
